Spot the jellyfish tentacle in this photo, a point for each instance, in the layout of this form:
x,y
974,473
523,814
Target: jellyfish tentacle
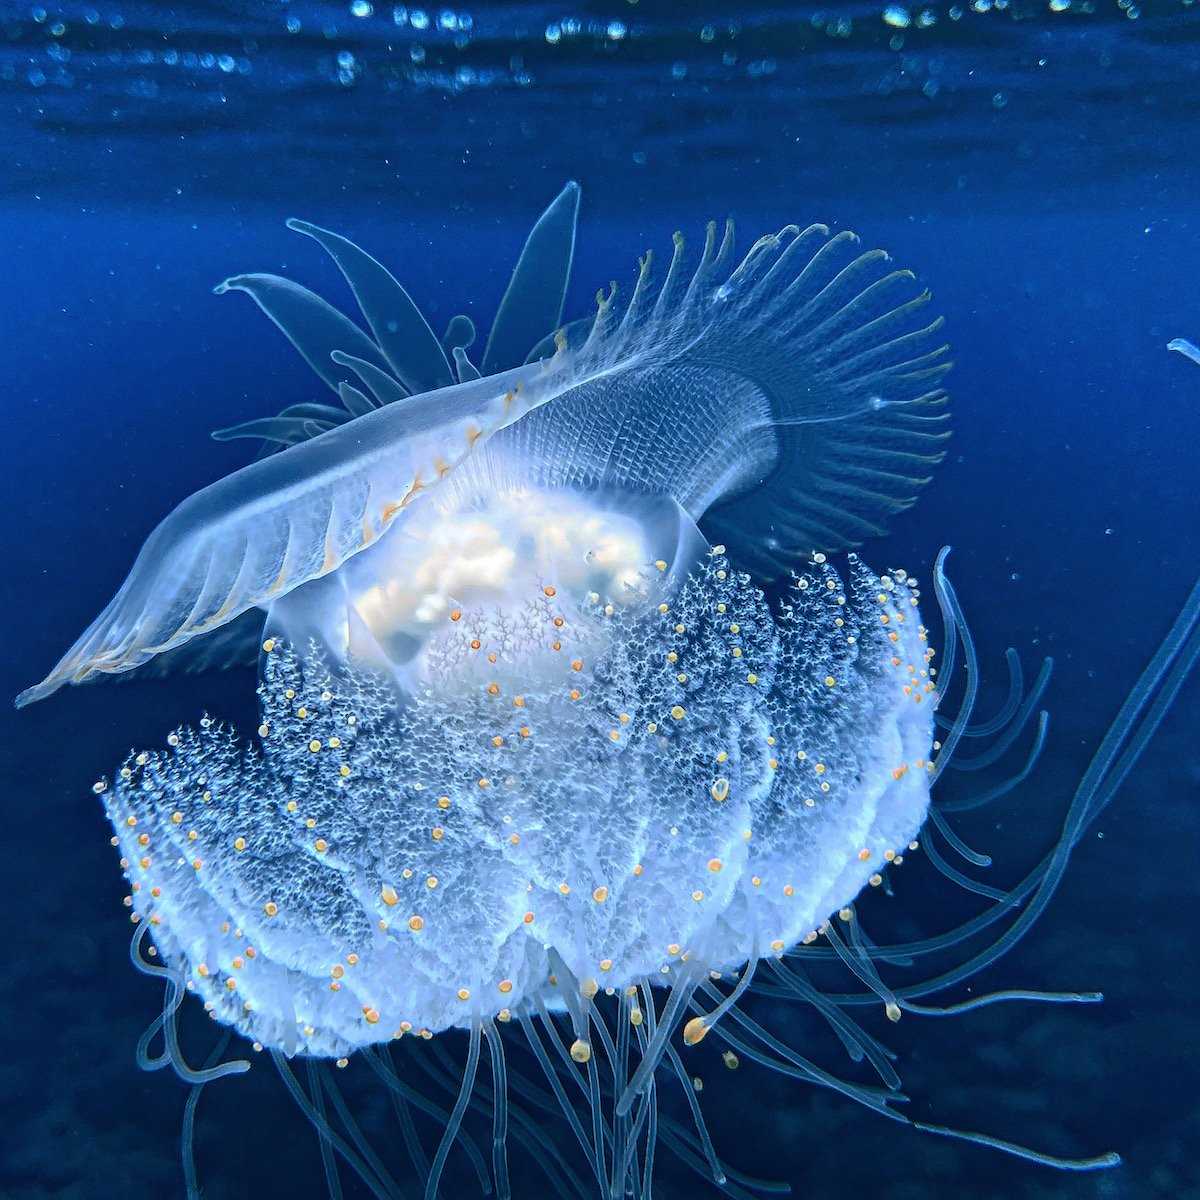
x,y
856,1040
464,367
1016,692
860,965
401,332
1184,347
650,1096
1100,1162
533,302
1000,997
716,1169
500,1112
381,385
456,1113
355,402
349,1155
593,1019
625,1129
957,877
440,1115
565,1105
1001,746
678,998
333,1181
399,1101
173,995
187,1132
974,857
992,794
326,1083
311,324
460,333
952,614
285,431
1129,734
563,1179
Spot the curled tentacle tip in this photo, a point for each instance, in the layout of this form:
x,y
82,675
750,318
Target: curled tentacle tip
x,y
299,226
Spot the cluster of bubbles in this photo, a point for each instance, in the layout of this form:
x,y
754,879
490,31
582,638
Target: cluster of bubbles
x,y
370,35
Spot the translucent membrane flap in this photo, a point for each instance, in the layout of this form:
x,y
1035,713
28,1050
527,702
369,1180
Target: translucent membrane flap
x,y
789,402
532,305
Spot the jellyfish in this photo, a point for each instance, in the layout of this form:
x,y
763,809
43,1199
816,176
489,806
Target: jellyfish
x,y
573,733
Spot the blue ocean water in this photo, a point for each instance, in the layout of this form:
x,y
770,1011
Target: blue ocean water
x,y
1035,164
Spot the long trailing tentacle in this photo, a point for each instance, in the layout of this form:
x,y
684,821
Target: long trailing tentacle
x,y
328,1085
681,993
952,615
172,999
360,1168
400,1105
187,1132
992,794
440,1115
456,1114
500,1112
445,1073
333,1181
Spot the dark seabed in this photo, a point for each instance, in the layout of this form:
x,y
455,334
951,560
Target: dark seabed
x,y
1035,164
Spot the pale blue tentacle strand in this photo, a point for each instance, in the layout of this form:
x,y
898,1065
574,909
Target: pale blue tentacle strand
x,y
952,616
992,794
187,1133
1118,754
1001,746
322,1126
456,1114
500,1112
333,1181
172,999
1016,688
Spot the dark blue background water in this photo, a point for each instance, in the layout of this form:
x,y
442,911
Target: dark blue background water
x,y
1036,168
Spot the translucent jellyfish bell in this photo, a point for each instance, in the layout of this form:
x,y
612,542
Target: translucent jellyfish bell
x,y
747,394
